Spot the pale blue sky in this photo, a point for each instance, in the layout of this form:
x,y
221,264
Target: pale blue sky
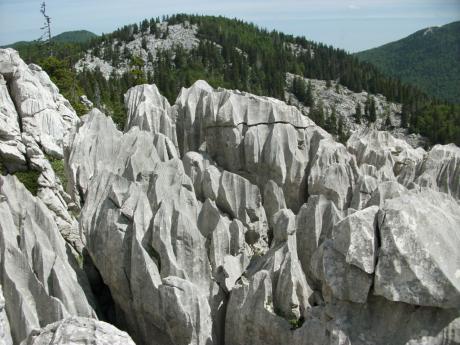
x,y
350,24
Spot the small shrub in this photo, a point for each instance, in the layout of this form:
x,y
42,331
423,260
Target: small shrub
x,y
58,167
29,179
296,323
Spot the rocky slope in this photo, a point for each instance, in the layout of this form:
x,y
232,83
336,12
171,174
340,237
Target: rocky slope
x,y
143,45
226,218
344,102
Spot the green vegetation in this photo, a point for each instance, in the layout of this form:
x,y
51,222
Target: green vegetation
x,y
29,179
296,323
78,36
58,167
65,78
236,55
429,58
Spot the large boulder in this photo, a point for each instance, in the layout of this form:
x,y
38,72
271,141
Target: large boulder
x,y
78,330
418,261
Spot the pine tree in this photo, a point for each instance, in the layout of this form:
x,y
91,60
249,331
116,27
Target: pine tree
x,y
331,122
358,114
309,95
372,111
341,135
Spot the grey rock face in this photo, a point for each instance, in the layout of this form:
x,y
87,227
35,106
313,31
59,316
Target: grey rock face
x,y
384,152
386,190
162,280
333,173
419,262
12,150
78,330
440,170
36,121
225,218
45,114
262,136
355,237
5,335
380,321
39,283
339,279
314,223
150,111
272,295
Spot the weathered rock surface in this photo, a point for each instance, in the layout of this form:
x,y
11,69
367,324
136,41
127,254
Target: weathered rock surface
x,y
78,330
150,111
315,221
264,139
225,218
146,44
5,334
355,237
36,121
273,295
45,114
440,170
418,262
40,278
385,153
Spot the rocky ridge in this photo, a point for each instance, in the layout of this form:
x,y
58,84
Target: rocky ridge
x,y
344,101
227,218
143,45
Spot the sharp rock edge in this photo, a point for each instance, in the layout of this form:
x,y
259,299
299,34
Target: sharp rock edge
x,y
225,218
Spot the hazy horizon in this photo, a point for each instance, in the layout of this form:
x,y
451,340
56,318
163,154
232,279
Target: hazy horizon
x,y
352,25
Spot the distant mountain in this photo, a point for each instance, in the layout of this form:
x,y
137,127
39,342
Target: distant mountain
x,y
429,58
77,36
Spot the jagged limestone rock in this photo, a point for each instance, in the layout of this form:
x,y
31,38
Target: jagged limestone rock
x,y
78,330
386,190
418,261
355,237
262,136
440,170
40,278
314,224
380,321
332,173
39,121
45,114
381,150
273,200
5,334
150,111
272,297
12,150
339,279
362,193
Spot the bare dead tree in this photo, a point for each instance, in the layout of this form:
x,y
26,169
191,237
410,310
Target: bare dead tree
x,y
46,30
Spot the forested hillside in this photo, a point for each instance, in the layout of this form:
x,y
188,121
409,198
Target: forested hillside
x,y
227,53
429,58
